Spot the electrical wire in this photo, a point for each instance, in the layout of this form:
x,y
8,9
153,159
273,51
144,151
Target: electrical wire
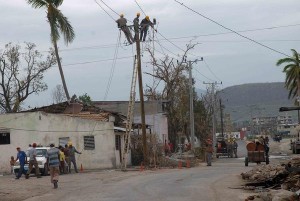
x,y
109,7
254,41
210,70
157,31
105,11
103,60
140,7
195,36
113,66
203,74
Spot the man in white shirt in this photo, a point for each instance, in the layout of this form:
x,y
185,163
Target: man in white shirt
x,y
33,162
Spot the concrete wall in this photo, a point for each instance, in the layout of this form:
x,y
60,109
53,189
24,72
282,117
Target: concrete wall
x,y
158,124
42,128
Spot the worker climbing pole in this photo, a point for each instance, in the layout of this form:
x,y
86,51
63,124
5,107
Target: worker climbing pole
x,y
122,24
137,71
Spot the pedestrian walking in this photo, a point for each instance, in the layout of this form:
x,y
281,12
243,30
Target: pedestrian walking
x,y
53,155
209,151
67,158
235,146
33,162
72,151
21,156
122,24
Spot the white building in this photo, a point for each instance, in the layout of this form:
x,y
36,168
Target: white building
x,y
155,116
91,131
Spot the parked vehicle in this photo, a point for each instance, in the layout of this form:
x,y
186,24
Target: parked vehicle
x,y
41,159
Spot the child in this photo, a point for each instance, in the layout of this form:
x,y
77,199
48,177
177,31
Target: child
x,y
12,163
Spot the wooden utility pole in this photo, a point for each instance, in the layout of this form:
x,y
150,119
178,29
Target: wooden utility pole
x,y
213,102
221,113
139,69
191,90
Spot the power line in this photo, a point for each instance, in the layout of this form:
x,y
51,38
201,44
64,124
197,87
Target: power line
x,y
140,7
274,50
247,30
210,70
109,7
105,11
203,75
113,66
88,62
196,36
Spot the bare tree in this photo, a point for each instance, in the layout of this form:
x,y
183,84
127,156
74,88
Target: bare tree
x,y
175,89
21,74
58,94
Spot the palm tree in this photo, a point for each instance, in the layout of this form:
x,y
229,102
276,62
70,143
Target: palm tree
x,y
292,71
58,24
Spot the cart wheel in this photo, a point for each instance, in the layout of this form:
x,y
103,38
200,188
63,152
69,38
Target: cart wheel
x,y
246,161
267,160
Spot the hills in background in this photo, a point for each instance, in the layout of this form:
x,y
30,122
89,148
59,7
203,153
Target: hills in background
x,y
255,100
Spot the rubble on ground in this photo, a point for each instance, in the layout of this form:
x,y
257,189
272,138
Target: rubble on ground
x,y
285,178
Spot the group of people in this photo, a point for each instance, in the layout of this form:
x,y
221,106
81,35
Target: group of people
x,y
66,157
58,161
142,27
231,144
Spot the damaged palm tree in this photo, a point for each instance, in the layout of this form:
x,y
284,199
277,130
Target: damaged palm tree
x,y
58,24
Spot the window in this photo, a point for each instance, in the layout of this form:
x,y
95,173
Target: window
x,y
89,142
118,142
4,137
63,141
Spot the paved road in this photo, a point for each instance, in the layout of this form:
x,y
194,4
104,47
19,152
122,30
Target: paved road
x,y
200,183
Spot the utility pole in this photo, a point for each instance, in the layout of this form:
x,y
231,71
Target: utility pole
x,y
222,123
143,121
213,85
192,122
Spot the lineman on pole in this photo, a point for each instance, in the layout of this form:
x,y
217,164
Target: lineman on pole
x,y
122,24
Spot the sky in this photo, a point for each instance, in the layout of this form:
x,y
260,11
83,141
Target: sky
x,y
88,62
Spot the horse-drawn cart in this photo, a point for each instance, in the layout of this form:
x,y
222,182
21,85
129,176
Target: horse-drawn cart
x,y
256,153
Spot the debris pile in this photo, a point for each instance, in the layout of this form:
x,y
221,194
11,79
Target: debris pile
x,y
274,180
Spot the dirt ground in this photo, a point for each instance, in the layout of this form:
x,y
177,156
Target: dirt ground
x,y
22,189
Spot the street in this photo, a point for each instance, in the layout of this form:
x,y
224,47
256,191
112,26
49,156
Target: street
x,y
218,182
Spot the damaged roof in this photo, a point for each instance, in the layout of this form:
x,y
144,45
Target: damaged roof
x,y
78,109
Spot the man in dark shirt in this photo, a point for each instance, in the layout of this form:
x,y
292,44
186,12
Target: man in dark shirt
x,y
67,158
72,151
136,26
21,156
144,27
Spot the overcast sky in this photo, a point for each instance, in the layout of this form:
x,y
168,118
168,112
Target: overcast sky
x,y
228,58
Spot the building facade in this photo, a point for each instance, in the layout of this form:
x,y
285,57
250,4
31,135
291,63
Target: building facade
x,y
93,134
